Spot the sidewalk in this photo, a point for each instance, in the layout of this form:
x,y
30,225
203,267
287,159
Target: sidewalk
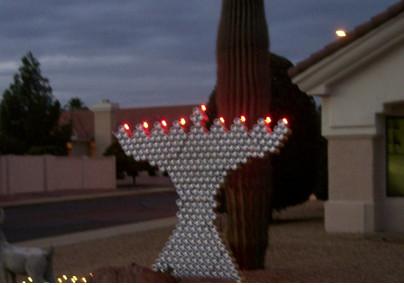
x,y
144,185
300,250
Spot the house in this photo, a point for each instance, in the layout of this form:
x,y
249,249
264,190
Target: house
x,y
92,129
360,80
82,139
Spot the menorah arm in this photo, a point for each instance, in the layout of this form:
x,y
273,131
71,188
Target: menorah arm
x,y
197,163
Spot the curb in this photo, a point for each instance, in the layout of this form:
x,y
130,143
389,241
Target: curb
x,y
51,200
74,238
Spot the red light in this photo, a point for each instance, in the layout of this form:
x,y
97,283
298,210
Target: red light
x,y
183,121
126,127
243,119
222,120
164,123
203,108
285,121
268,120
145,125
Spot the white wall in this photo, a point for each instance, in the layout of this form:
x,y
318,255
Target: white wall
x,y
29,174
360,84
355,108
355,99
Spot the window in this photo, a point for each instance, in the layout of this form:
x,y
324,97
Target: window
x,y
395,156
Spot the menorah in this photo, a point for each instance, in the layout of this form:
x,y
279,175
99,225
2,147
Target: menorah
x,y
197,163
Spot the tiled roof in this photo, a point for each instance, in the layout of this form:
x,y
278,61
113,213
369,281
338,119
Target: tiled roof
x,y
351,36
136,116
83,120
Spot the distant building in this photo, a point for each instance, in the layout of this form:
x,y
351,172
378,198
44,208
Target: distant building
x,y
92,129
360,79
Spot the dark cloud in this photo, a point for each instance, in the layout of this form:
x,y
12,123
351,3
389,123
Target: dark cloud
x,y
159,52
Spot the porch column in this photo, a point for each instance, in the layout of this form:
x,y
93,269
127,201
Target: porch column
x,y
352,184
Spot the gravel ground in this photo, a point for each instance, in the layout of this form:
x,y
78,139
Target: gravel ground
x,y
300,251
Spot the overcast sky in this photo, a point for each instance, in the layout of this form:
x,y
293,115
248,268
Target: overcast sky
x,y
152,52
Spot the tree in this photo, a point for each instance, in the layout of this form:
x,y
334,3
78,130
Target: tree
x,y
243,88
75,103
29,114
127,163
295,171
321,190
301,169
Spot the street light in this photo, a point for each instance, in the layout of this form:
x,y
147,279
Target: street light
x,y
340,33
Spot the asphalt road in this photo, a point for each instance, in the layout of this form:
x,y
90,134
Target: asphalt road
x,y
39,221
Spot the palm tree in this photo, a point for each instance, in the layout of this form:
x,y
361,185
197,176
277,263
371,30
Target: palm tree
x,y
75,103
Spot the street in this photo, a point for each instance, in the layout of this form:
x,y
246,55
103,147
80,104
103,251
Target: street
x,y
39,221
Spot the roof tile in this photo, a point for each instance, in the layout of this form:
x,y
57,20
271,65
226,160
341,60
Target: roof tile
x,y
83,120
136,116
351,36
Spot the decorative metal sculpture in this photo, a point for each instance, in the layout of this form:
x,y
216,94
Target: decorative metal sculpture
x,y
197,163
28,261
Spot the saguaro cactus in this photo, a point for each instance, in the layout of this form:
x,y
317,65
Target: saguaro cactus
x,y
243,88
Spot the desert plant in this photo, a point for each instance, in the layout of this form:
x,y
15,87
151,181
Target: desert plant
x,y
243,88
295,171
301,169
75,103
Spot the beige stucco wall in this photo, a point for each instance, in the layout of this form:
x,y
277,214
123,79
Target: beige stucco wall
x,y
25,175
353,122
80,148
358,200
64,173
351,168
352,184
28,174
99,172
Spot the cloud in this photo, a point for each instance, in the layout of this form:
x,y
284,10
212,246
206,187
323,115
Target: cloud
x,y
7,67
160,52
